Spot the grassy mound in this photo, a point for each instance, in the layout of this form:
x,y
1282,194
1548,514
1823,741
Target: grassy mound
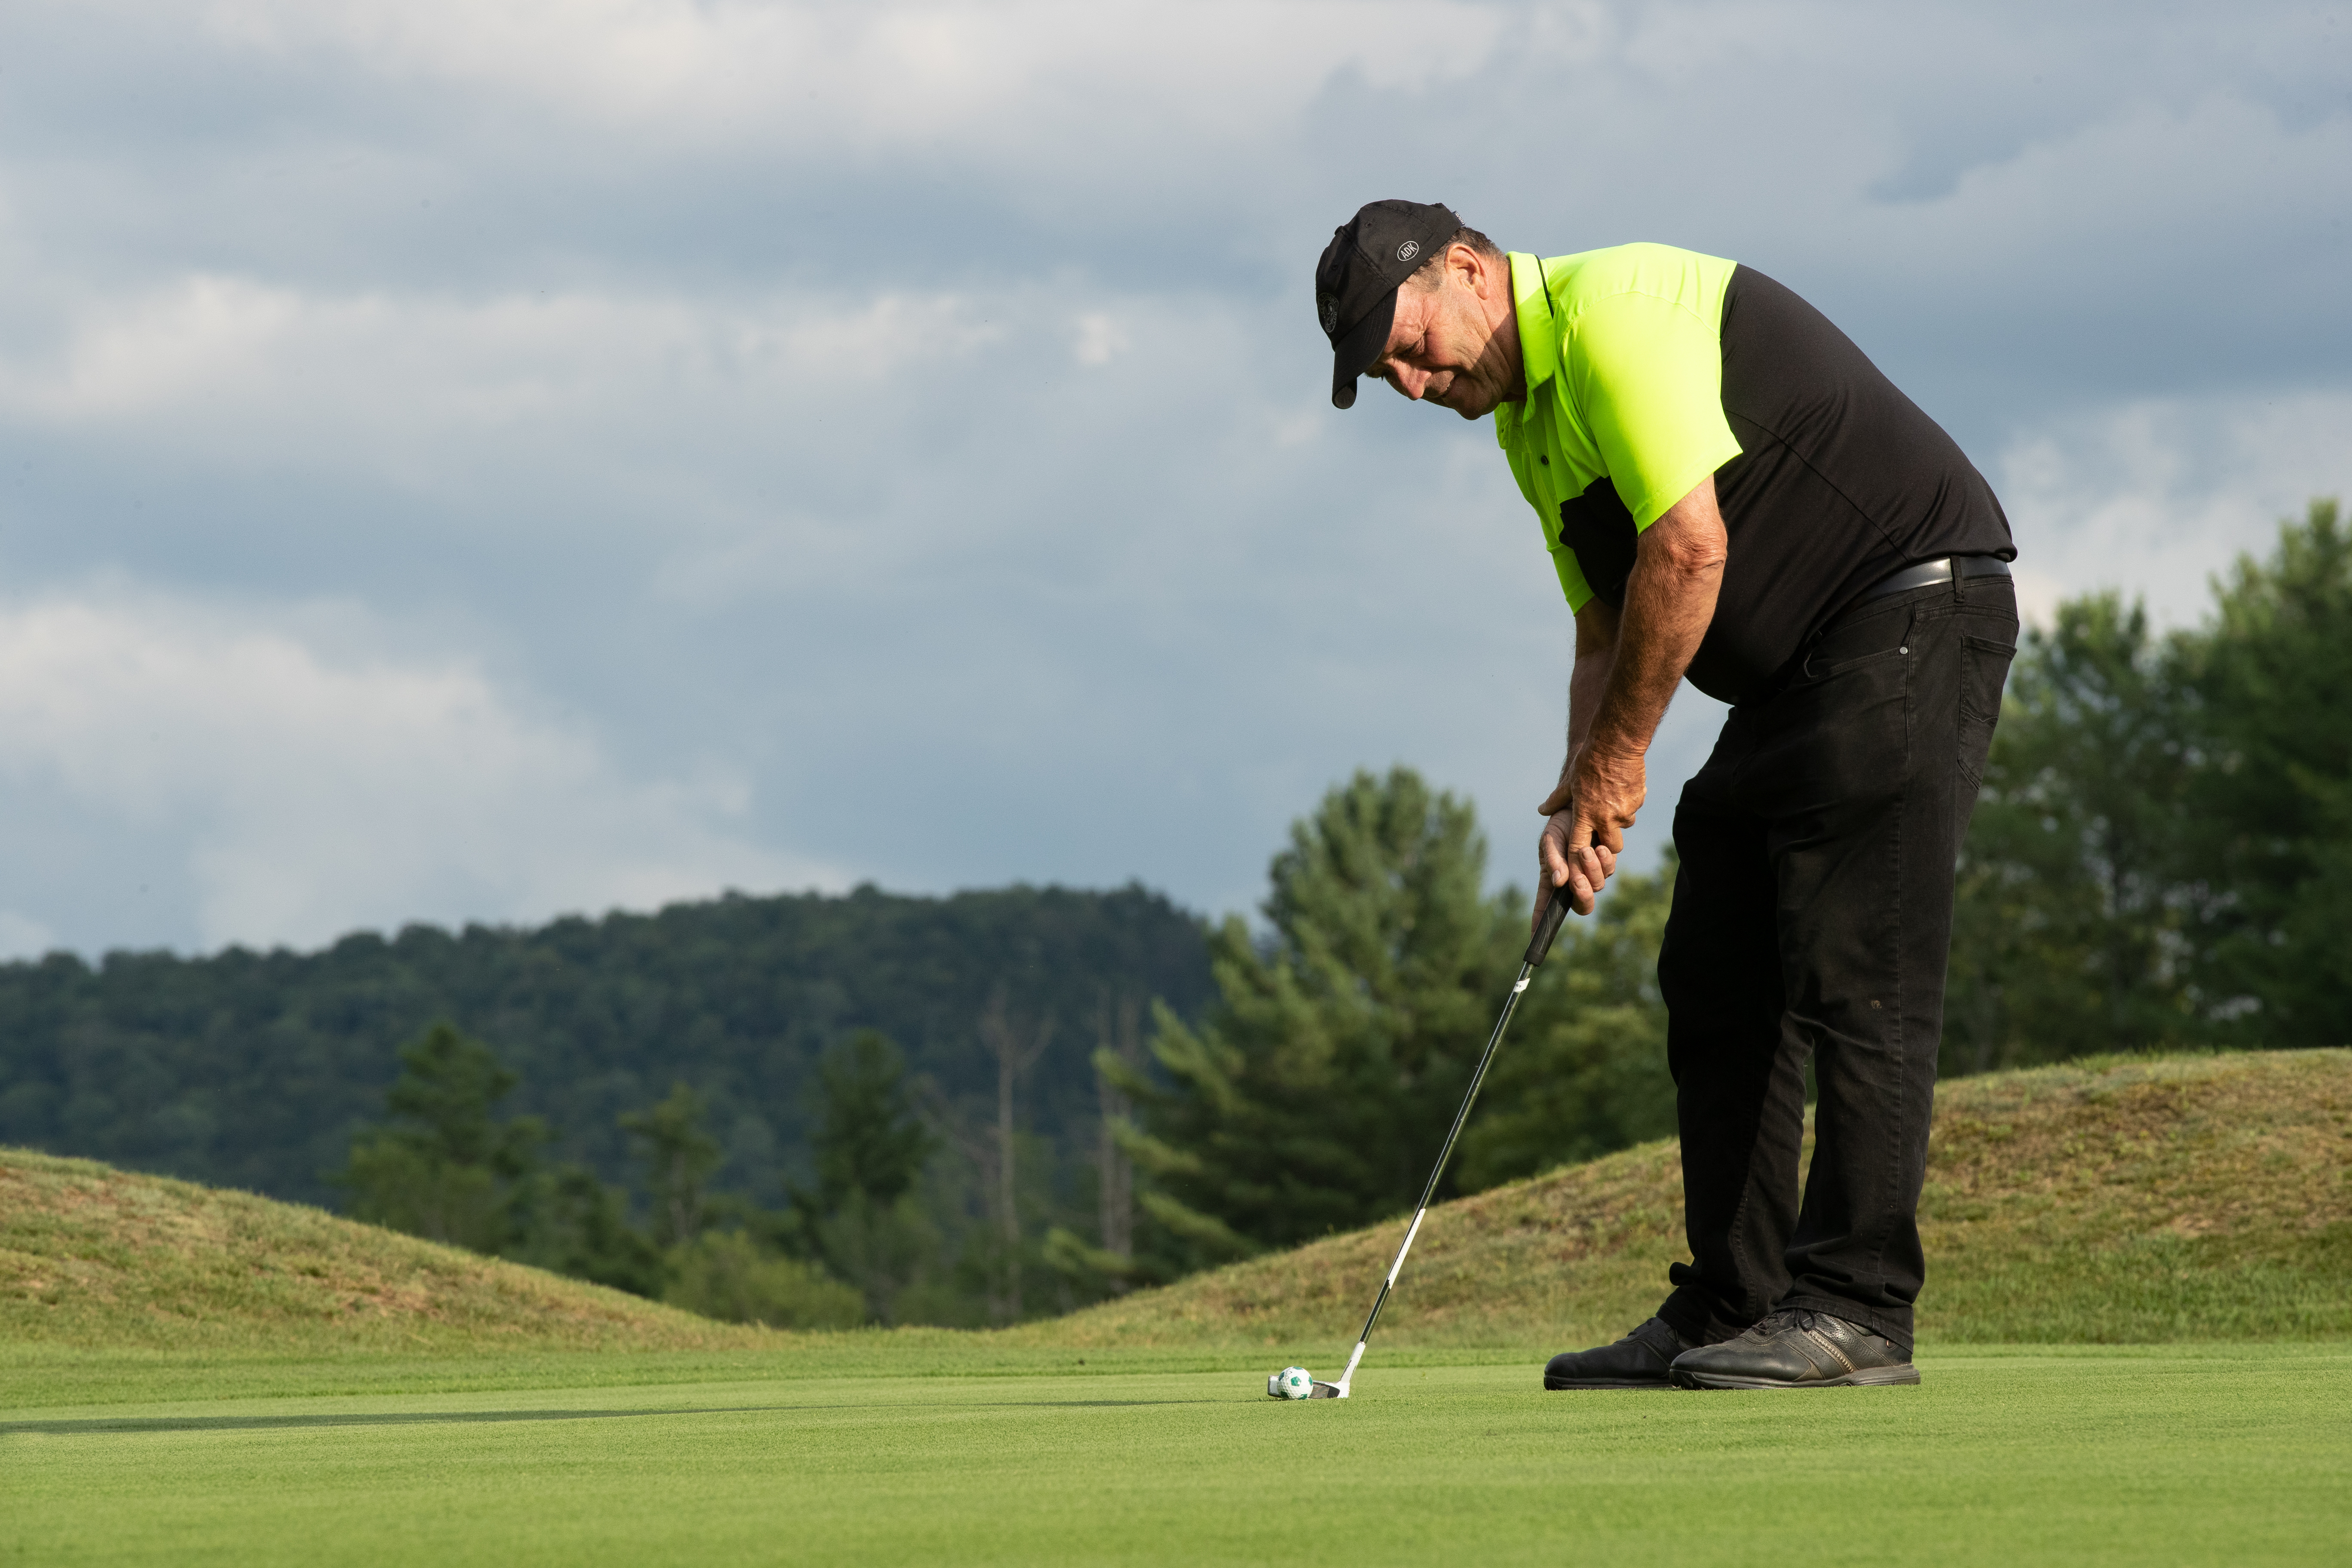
x,y
2130,1201
2119,1202
93,1256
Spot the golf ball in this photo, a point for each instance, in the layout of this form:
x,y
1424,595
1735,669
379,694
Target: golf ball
x,y
1291,1382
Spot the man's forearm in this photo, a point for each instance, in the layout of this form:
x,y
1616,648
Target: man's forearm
x,y
1588,684
1628,663
1669,602
1588,680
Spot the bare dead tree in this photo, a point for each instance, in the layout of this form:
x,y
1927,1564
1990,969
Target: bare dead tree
x,y
1015,1052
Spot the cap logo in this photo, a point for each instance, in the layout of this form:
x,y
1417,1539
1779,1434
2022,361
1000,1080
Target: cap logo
x,y
1407,250
1328,308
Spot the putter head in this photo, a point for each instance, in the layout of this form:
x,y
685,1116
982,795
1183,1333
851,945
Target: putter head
x,y
1329,1390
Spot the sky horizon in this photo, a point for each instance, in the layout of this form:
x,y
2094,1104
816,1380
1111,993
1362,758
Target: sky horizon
x,y
486,461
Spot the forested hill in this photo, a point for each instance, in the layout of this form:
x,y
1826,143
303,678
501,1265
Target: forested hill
x,y
250,1070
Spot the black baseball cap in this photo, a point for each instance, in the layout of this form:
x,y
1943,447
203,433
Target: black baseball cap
x,y
1355,282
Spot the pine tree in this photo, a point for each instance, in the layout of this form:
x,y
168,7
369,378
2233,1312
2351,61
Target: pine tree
x,y
571,1223
2267,854
862,1220
679,1157
1584,1068
2068,909
2163,850
445,1167
1317,1092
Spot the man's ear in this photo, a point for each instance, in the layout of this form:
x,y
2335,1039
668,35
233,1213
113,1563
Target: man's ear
x,y
1476,270
1462,266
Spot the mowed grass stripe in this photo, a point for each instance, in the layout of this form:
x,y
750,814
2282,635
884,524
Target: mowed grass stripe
x,y
2210,1455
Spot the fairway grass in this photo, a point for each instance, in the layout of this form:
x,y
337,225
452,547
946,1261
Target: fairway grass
x,y
189,1376
2175,1453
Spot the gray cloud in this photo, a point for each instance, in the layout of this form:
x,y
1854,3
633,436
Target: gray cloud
x,y
886,440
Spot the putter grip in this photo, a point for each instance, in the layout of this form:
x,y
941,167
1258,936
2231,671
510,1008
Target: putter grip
x,y
1555,910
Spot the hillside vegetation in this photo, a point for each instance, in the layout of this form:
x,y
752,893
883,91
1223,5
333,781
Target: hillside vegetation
x,y
95,1257
2145,1200
2201,1197
252,1070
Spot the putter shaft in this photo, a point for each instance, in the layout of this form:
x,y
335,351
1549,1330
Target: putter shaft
x,y
1547,927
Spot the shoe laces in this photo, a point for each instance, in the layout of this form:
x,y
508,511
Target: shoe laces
x,y
1806,1321
1779,1320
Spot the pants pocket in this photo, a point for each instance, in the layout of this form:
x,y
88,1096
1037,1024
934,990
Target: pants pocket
x,y
1984,671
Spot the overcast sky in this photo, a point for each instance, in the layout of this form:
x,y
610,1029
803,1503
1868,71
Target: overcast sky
x,y
477,459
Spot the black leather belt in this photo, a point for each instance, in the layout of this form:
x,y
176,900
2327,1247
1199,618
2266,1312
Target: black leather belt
x,y
1927,574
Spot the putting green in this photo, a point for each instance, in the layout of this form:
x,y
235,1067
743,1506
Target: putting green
x,y
2236,1454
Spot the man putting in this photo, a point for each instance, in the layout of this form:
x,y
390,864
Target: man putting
x,y
1733,495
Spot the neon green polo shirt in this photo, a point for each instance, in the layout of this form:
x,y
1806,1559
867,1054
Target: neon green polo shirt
x,y
1624,355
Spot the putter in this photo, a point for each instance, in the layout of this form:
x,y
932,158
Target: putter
x,y
1547,927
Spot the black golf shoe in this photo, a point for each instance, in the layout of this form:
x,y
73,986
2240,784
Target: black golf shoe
x,y
1794,1348
1639,1360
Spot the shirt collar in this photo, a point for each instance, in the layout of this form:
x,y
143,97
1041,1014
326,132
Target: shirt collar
x,y
1539,331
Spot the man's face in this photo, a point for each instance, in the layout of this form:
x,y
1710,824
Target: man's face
x,y
1455,345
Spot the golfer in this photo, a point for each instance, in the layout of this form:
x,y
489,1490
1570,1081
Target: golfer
x,y
1734,495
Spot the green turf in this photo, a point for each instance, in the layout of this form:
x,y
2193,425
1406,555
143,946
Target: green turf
x,y
189,1376
2176,1454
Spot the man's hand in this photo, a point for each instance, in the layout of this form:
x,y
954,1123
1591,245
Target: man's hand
x,y
1570,861
1586,816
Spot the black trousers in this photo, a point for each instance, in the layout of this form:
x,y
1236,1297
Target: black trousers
x,y
1812,920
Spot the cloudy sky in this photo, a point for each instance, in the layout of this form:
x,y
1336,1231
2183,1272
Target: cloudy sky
x,y
474,459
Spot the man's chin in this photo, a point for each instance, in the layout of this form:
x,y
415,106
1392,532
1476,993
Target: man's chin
x,y
1463,400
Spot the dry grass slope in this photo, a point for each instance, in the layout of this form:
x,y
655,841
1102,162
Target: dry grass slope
x,y
95,1257
2122,1201
2119,1202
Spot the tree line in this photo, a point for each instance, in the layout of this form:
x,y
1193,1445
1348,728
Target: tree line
x,y
570,1144
250,1069
2162,853
882,1230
